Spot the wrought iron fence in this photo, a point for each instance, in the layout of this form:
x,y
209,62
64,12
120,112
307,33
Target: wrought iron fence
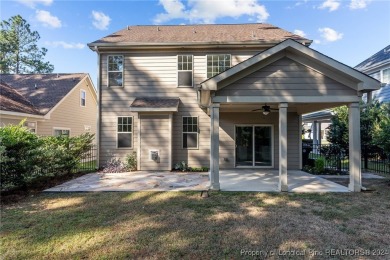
x,y
88,161
335,159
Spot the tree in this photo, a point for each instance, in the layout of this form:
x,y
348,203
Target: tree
x,y
381,129
19,52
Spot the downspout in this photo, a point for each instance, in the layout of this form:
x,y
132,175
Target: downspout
x,y
98,109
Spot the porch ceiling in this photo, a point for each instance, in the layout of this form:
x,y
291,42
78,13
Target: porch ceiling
x,y
292,107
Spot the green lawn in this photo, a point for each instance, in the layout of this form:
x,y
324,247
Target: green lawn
x,y
178,225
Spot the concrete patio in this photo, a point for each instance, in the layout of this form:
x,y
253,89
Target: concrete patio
x,y
259,180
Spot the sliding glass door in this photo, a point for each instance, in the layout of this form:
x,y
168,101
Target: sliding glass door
x,y
254,146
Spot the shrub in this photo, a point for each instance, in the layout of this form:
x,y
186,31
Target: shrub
x,y
181,166
319,165
21,151
131,161
114,165
24,156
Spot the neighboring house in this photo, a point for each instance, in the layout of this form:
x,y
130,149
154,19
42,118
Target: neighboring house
x,y
51,104
316,125
378,67
223,96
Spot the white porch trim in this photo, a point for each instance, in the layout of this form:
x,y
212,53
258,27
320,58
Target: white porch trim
x,y
214,147
283,185
355,175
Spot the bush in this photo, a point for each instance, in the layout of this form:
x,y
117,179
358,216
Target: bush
x,y
131,161
114,165
21,151
181,166
319,165
26,156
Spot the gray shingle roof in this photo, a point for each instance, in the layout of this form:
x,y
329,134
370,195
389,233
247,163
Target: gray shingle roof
x,y
200,33
11,100
161,104
43,91
379,57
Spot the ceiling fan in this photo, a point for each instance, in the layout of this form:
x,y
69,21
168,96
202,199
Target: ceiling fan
x,y
266,109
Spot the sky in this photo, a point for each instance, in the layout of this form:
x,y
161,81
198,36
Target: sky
x,y
349,31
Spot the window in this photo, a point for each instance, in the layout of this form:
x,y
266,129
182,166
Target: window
x,y
61,132
217,64
190,132
386,75
115,71
31,126
184,70
125,132
83,98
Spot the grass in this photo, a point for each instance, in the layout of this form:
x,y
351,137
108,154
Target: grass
x,y
160,225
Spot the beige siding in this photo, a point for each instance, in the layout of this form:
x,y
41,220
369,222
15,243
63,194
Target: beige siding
x,y
9,121
228,121
286,77
154,74
155,135
70,115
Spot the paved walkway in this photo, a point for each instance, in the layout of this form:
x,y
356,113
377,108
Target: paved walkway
x,y
231,180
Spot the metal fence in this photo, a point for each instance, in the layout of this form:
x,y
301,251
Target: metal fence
x,y
335,159
88,161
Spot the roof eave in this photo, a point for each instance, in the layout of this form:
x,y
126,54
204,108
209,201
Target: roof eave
x,y
148,45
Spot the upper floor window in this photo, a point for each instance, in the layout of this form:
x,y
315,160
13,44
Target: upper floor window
x,y
115,70
83,98
184,71
386,75
217,64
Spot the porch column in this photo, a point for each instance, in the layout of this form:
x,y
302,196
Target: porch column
x,y
283,147
355,175
214,147
315,140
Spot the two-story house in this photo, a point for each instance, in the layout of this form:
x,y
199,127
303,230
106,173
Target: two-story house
x,y
223,96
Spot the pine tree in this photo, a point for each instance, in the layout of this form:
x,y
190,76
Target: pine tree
x,y
19,52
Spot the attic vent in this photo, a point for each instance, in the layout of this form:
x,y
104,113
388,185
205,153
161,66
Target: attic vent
x,y
128,28
158,28
35,86
193,30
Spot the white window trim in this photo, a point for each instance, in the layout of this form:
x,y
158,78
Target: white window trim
x,y
177,67
218,54
36,125
272,146
382,77
62,128
182,134
132,133
81,93
108,71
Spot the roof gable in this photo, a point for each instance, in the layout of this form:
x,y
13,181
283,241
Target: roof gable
x,y
300,53
11,100
43,91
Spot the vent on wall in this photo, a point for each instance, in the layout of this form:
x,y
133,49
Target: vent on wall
x,y
154,155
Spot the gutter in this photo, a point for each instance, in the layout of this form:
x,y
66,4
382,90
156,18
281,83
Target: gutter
x,y
149,45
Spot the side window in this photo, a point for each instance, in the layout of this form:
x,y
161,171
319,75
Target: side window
x,y
184,70
83,98
125,132
217,64
61,132
115,71
190,132
386,75
32,126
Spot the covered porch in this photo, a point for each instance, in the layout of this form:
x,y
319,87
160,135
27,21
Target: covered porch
x,y
286,81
